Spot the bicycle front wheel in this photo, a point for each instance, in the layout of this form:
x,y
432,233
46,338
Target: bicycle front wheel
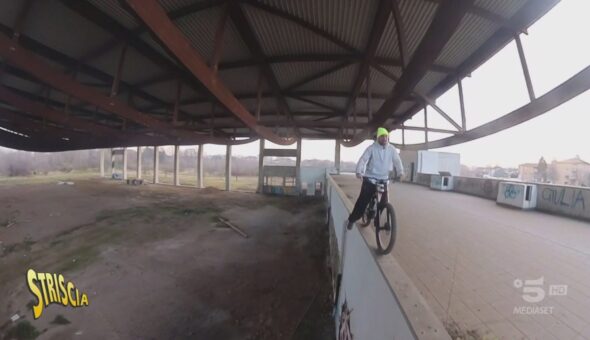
x,y
386,229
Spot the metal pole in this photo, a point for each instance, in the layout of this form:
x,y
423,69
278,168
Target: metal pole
x,y
176,165
124,163
200,167
337,157
101,163
525,68
261,167
228,168
462,104
138,176
156,165
298,167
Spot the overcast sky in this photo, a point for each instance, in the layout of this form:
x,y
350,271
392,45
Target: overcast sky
x,y
556,48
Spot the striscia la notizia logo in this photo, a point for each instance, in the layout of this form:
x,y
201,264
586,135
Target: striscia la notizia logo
x,y
51,288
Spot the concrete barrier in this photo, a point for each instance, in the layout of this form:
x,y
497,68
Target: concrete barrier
x,y
564,200
376,298
520,195
481,187
423,179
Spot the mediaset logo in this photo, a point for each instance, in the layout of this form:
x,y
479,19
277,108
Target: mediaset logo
x,y
52,288
533,292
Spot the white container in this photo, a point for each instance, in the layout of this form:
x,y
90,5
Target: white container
x,y
520,195
441,182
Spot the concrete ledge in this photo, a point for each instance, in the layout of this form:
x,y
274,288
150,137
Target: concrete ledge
x,y
385,303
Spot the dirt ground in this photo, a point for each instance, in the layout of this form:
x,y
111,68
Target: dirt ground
x,y
156,263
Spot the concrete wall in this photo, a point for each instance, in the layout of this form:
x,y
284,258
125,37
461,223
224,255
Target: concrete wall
x,y
481,187
382,300
423,179
564,200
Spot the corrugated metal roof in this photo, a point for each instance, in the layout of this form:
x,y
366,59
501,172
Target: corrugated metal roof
x,y
340,80
167,91
200,28
389,45
171,5
71,35
290,73
113,9
380,84
135,69
337,102
349,20
297,105
417,18
504,8
241,80
148,39
471,34
234,47
278,36
429,81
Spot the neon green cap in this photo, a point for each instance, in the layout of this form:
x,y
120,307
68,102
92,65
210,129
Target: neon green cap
x,y
382,132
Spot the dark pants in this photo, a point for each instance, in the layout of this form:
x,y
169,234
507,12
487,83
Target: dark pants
x,y
367,191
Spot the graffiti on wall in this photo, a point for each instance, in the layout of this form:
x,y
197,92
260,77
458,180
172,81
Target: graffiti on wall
x,y
561,197
512,191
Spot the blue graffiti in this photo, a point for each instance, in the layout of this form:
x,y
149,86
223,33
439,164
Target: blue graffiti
x,y
511,191
558,197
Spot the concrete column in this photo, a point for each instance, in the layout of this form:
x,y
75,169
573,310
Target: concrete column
x,y
228,168
261,167
101,163
112,163
138,176
156,165
176,165
200,183
298,167
124,163
337,157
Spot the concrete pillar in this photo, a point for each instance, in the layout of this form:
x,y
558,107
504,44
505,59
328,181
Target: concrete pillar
x,y
101,163
337,157
228,168
156,165
124,163
298,167
176,165
200,183
261,167
112,163
138,176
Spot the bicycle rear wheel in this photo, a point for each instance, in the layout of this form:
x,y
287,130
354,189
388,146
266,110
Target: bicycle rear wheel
x,y
386,229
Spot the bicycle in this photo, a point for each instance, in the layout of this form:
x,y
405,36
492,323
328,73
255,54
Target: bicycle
x,y
384,221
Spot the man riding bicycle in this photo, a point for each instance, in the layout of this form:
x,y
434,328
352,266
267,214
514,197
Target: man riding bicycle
x,y
375,164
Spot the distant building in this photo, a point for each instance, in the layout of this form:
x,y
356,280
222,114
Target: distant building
x,y
572,171
527,172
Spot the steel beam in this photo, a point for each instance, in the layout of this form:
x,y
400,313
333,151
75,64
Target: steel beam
x,y
525,68
139,159
445,22
462,105
567,90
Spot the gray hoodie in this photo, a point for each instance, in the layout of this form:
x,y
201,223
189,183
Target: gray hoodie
x,y
378,160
